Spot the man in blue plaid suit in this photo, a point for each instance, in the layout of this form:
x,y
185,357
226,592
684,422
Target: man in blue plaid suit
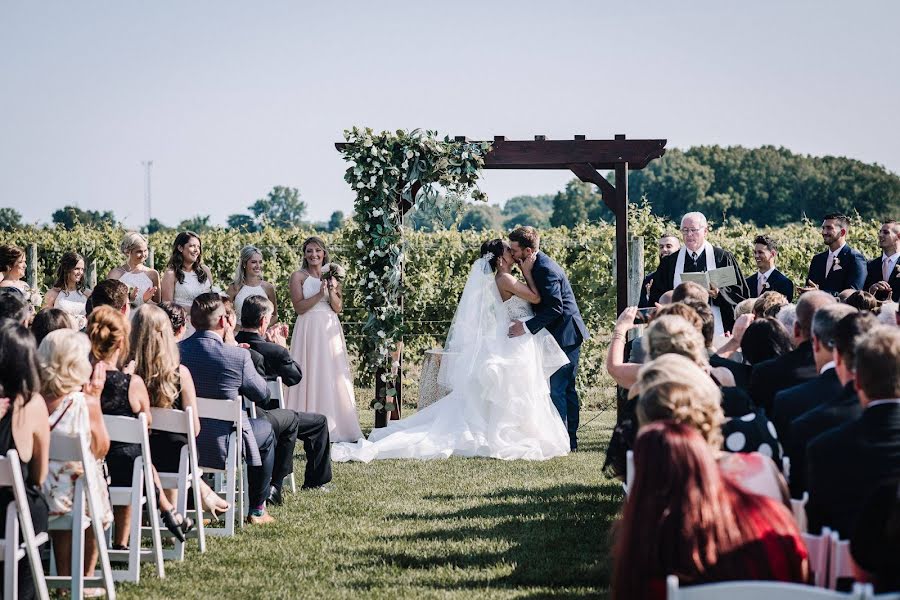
x,y
226,371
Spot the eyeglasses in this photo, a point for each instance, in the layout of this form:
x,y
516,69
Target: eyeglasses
x,y
687,230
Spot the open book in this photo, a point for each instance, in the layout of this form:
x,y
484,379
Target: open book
x,y
717,278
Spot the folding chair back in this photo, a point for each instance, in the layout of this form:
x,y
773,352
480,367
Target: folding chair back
x,y
18,518
230,411
786,468
819,548
798,508
755,590
276,390
64,448
188,475
141,493
841,562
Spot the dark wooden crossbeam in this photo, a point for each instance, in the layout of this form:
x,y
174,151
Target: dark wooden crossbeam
x,y
559,154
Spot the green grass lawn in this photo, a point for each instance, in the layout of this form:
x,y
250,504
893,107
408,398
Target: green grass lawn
x,y
457,528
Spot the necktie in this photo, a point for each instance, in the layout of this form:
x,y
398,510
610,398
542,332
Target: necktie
x,y
828,263
694,256
762,284
885,272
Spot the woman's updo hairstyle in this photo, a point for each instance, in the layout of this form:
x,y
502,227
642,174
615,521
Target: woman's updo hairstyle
x,y
108,331
496,247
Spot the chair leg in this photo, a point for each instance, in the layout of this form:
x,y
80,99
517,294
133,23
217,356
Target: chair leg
x,y
153,518
11,564
76,585
198,505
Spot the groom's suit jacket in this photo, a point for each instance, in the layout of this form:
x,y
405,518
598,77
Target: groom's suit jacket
x,y
557,311
850,274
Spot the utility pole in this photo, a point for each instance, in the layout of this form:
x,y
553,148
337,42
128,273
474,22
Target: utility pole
x,y
147,204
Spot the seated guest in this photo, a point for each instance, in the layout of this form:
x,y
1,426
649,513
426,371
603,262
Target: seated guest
x,y
888,314
667,244
739,372
169,385
697,255
256,316
787,316
767,277
847,463
177,318
763,340
682,516
875,546
744,307
840,267
834,410
798,365
72,393
49,319
883,274
687,290
124,395
672,388
861,300
226,371
25,428
14,306
794,401
768,304
110,292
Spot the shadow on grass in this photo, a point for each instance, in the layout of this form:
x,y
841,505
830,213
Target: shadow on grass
x,y
553,537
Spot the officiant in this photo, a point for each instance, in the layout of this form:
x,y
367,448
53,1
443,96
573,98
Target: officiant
x,y
699,256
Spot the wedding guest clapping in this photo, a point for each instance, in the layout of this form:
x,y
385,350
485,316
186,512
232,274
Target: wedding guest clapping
x,y
707,527
69,291
248,281
318,344
268,342
24,427
72,390
142,281
883,274
186,276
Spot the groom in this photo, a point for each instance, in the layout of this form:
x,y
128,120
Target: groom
x,y
558,313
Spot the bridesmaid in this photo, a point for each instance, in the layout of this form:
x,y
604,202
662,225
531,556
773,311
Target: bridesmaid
x,y
12,274
248,281
142,281
186,276
318,347
68,292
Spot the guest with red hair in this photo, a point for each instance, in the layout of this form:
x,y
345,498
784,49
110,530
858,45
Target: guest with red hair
x,y
683,518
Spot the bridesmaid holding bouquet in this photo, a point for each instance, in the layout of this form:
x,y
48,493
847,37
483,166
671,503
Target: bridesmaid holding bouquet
x,y
318,344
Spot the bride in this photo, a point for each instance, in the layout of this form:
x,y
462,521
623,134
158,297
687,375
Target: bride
x,y
499,402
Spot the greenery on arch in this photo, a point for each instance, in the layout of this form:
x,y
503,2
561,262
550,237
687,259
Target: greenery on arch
x,y
387,170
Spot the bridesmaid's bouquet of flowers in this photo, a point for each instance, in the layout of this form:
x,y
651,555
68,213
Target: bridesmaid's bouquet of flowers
x,y
334,271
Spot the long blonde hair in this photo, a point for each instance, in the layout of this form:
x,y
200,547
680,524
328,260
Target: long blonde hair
x,y
155,355
318,242
247,253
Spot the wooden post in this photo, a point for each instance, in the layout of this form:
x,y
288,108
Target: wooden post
x,y
621,237
31,268
635,268
151,262
90,273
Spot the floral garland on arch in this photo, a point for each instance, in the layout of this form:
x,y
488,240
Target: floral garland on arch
x,y
386,169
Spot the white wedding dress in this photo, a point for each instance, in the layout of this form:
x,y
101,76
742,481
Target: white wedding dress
x,y
499,405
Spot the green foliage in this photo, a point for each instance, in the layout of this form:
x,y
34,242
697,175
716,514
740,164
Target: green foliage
x,y
480,217
243,222
579,203
438,215
336,221
520,204
154,226
10,219
767,186
197,224
530,215
68,217
281,208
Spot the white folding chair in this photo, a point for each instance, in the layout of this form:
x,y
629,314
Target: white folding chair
x,y
755,590
798,508
629,470
841,562
187,477
869,594
232,481
140,494
64,448
819,549
276,390
18,518
786,468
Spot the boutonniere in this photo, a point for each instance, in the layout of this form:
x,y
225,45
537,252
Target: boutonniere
x,y
766,286
836,265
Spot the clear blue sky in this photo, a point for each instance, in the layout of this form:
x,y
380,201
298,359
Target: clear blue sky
x,y
231,98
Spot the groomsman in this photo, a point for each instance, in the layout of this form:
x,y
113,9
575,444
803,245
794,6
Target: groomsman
x,y
883,274
697,256
767,277
668,243
840,267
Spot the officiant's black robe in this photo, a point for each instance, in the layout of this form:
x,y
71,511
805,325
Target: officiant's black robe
x,y
728,297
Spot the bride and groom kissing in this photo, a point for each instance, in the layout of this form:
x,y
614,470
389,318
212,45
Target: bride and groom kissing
x,y
510,362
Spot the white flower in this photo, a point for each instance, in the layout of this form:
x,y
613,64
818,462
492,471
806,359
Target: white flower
x,y
381,333
325,269
374,151
410,154
377,212
405,164
488,256
359,243
367,228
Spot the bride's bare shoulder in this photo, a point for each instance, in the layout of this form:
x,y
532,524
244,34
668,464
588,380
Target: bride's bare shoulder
x,y
506,281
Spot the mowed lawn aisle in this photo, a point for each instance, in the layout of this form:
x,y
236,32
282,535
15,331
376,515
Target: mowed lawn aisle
x,y
458,528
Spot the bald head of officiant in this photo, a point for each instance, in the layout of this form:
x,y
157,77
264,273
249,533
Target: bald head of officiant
x,y
699,256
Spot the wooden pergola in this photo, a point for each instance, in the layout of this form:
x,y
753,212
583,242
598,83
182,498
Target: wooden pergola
x,y
585,158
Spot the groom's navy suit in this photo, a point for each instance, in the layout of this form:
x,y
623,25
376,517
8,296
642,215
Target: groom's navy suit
x,y
558,313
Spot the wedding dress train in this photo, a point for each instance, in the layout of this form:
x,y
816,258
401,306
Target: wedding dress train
x,y
499,405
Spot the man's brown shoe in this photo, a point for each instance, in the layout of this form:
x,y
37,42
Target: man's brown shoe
x,y
263,519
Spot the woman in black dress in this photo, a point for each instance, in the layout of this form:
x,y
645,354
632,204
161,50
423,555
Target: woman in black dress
x,y
25,428
124,394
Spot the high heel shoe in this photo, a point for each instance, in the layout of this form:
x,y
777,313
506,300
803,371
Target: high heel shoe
x,y
214,505
176,527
